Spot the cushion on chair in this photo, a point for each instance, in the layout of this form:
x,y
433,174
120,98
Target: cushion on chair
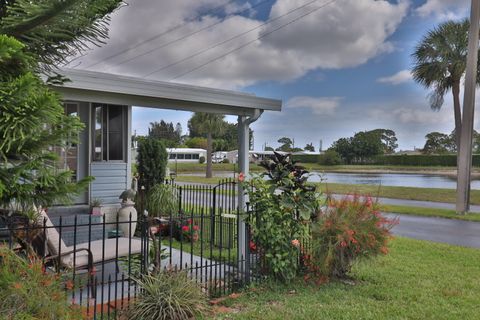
x,y
99,254
54,242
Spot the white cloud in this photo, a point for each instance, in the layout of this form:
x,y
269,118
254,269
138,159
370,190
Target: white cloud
x,y
398,78
318,105
444,9
339,35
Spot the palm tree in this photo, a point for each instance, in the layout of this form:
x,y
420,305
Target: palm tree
x,y
439,64
206,124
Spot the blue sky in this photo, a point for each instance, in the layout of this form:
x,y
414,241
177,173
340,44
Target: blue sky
x,y
341,69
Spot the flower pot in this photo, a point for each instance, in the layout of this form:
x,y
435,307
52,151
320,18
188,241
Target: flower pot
x,y
96,211
128,210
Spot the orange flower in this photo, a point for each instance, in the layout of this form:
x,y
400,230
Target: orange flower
x,y
17,285
69,284
295,243
384,250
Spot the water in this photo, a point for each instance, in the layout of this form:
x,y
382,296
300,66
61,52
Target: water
x,y
384,179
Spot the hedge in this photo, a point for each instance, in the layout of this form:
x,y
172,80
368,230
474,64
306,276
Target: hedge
x,y
447,160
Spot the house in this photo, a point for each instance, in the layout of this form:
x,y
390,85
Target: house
x,y
104,103
253,156
183,155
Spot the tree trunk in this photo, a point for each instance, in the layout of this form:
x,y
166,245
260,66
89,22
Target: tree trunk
x,y
209,155
457,112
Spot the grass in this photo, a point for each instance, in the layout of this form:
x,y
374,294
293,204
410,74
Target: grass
x,y
430,212
407,193
201,167
417,280
216,254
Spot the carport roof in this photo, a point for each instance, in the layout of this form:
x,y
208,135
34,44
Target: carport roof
x,y
117,89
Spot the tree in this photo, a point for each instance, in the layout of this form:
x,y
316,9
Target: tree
x,y
309,147
437,142
388,139
167,132
152,162
35,36
344,148
366,144
439,64
205,124
286,144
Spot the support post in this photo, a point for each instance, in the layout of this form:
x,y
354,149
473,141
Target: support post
x,y
464,162
243,165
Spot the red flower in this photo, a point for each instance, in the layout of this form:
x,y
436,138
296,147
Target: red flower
x,y
241,177
253,246
185,228
343,244
195,228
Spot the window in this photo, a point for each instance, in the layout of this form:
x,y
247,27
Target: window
x,y
188,156
180,156
196,156
172,156
109,132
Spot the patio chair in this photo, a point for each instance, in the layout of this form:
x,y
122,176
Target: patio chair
x,y
86,255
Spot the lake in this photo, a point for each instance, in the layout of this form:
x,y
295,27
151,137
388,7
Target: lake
x,y
384,179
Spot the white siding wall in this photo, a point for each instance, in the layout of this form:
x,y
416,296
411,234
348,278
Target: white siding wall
x,y
110,181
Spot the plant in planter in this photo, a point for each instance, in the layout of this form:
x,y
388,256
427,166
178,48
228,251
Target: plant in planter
x,y
162,200
96,207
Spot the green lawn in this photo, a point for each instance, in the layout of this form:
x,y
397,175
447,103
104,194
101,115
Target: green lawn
x,y
408,193
430,212
417,280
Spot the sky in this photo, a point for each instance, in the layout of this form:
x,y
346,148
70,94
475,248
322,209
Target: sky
x,y
339,66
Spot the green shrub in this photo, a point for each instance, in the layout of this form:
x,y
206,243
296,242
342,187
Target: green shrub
x,y
347,230
201,160
225,160
168,295
152,162
445,160
28,292
330,158
280,220
306,158
162,200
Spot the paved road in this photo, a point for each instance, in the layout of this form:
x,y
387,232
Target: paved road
x,y
456,232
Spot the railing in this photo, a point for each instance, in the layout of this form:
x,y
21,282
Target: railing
x,y
100,259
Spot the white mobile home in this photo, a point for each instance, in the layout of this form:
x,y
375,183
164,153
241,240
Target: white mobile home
x,y
191,155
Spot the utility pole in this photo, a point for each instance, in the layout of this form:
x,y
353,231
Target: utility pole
x,y
464,162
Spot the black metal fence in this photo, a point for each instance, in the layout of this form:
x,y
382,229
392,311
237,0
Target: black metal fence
x,y
100,257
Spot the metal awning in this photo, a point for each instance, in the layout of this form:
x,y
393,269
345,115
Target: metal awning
x,y
117,89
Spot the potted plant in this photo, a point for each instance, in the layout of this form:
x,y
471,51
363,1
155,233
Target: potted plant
x,y
96,206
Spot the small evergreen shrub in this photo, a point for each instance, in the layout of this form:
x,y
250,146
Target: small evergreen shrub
x,y
168,295
28,292
201,160
152,162
347,230
330,158
225,160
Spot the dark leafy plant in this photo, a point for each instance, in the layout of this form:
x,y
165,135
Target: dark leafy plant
x,y
347,230
282,209
168,295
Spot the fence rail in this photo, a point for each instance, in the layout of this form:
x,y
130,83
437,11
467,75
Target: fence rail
x,y
102,258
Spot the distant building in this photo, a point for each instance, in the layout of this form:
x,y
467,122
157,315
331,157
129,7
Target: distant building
x,y
185,154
